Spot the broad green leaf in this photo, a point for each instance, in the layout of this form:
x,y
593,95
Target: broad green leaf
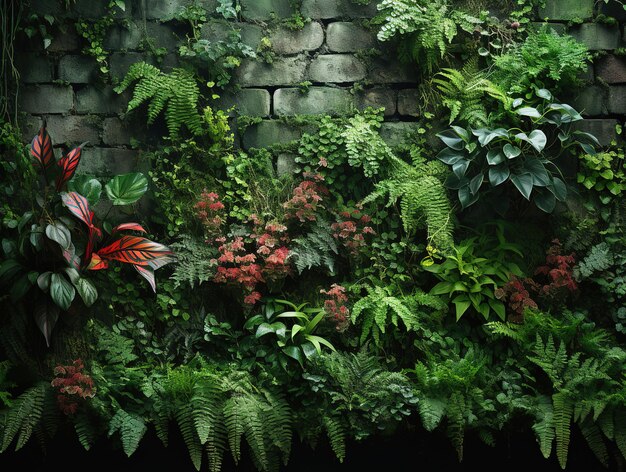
x,y
295,353
450,156
86,290
559,189
264,329
499,174
451,139
495,157
466,197
43,281
511,151
537,139
126,189
46,316
523,183
61,291
58,232
544,93
528,111
475,183
545,201
535,167
87,186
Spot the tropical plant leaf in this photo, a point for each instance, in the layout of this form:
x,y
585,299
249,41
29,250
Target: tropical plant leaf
x,y
138,251
41,149
68,164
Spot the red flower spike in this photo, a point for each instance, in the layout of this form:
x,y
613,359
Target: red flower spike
x,y
41,149
128,227
138,251
68,164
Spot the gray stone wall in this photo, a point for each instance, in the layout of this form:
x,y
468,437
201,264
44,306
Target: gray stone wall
x,y
334,65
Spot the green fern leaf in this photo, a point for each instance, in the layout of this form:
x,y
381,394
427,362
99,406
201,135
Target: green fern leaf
x,y
563,410
23,416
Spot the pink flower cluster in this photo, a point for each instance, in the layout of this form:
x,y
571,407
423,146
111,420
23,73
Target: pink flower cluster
x,y
336,307
351,229
306,200
240,265
208,211
72,386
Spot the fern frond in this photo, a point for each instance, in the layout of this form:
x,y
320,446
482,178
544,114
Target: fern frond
x,y
593,436
317,248
563,410
455,411
185,420
544,426
85,430
431,412
22,417
336,436
131,428
177,93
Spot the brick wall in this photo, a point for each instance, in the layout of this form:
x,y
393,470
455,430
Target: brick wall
x,y
65,86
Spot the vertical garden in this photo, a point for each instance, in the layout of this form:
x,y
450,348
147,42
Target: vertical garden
x,y
258,228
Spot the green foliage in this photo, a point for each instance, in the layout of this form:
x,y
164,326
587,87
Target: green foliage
x,y
131,428
177,93
383,307
426,27
364,146
423,199
544,60
316,248
522,157
23,417
194,264
464,91
470,278
604,173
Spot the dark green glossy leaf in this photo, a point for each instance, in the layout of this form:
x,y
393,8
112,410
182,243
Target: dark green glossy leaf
x,y
544,93
58,232
528,111
495,157
61,291
452,140
126,189
511,151
87,186
466,198
450,156
475,183
545,201
499,174
523,183
541,177
462,132
460,168
559,189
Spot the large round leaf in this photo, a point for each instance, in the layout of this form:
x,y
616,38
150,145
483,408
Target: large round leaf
x,y
59,233
127,188
87,186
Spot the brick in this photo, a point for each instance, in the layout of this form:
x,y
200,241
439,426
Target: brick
x,y
378,98
78,69
106,162
266,9
47,99
407,102
102,100
559,28
603,129
286,41
391,71
611,69
326,9
250,102
315,101
283,71
68,41
597,36
116,132
591,101
74,130
349,37
29,126
617,99
567,9
270,132
165,10
286,164
94,10
120,62
219,30
397,132
34,68
338,68
131,38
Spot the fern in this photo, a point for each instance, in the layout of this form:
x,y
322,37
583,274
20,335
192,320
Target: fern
x,y
315,249
185,419
544,426
505,329
455,412
336,434
599,258
592,434
177,93
423,199
193,262
85,429
563,409
23,416
380,308
131,428
364,146
463,93
431,412
619,425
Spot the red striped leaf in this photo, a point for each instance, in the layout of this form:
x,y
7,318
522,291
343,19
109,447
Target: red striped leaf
x,y
128,227
78,205
148,274
97,263
138,251
41,149
68,164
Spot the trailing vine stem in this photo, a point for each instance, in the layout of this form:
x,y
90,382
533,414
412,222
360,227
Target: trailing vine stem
x,y
10,16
